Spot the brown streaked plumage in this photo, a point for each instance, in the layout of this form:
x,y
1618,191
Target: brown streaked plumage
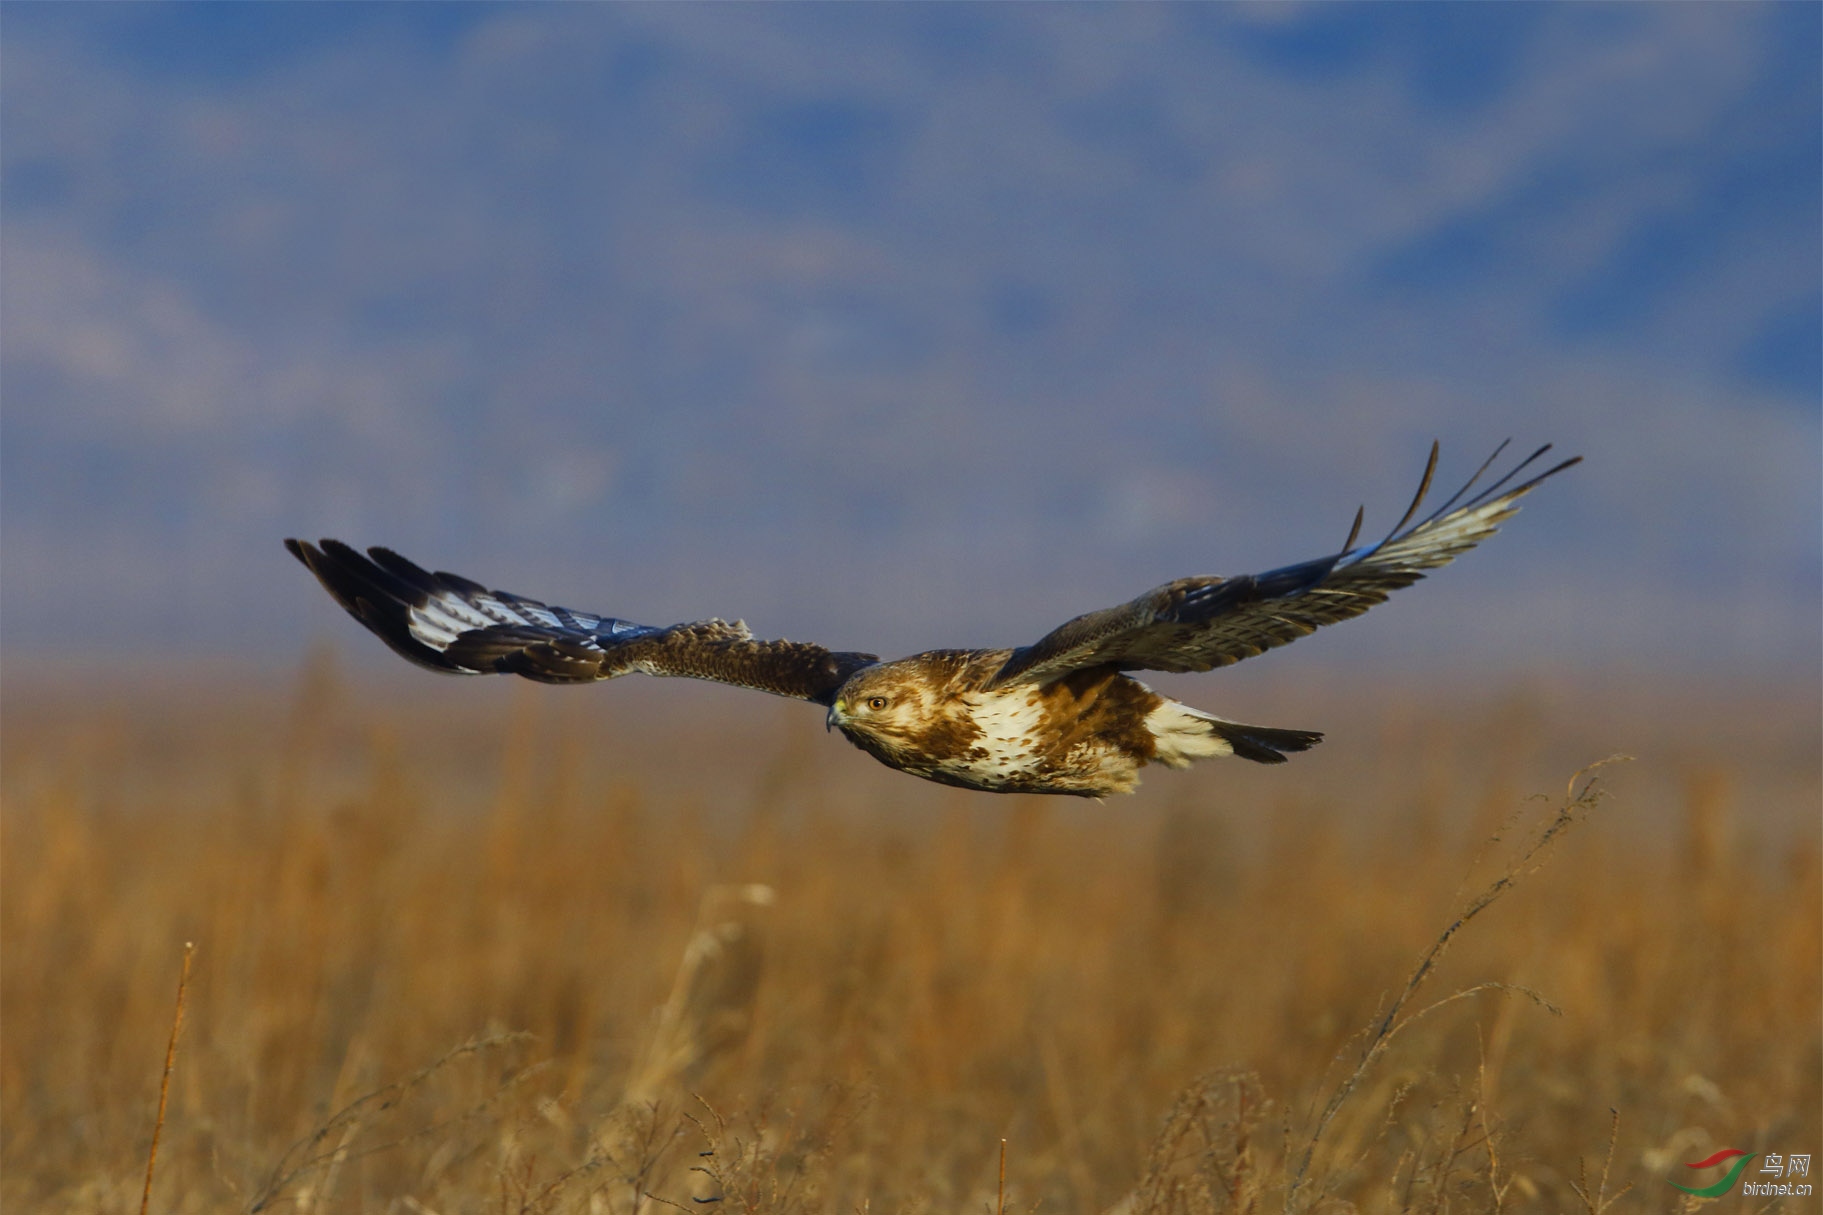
x,y
1058,716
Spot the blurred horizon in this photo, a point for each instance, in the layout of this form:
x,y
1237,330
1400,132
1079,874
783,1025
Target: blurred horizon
x,y
902,326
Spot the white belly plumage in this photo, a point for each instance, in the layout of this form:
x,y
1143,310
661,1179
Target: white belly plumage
x,y
1011,744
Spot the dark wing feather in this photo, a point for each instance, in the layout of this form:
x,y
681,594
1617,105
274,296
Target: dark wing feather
x,y
1198,624
447,623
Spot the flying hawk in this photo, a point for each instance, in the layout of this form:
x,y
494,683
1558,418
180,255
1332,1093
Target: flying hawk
x,y
1057,716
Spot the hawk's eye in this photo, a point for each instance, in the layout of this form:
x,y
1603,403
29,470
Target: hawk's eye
x,y
876,702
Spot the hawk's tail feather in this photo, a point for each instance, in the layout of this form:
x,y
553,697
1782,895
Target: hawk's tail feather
x,y
1182,735
1264,744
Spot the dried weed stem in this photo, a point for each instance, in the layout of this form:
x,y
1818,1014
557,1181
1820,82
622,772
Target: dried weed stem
x,y
1000,1193
164,1083
304,1155
1598,1202
1571,811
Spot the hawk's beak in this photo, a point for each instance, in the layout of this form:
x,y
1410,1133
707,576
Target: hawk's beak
x,y
833,718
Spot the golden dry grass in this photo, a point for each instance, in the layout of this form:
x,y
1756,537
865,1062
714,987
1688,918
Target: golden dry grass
x,y
463,947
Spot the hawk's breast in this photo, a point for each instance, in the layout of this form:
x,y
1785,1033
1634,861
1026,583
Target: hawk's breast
x,y
1013,731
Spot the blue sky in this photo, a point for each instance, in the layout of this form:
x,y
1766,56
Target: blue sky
x,y
908,325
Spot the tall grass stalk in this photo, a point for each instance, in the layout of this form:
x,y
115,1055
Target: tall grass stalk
x,y
164,1080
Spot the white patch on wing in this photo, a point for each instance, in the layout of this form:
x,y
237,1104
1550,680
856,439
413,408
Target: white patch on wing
x,y
431,634
442,618
445,616
440,621
496,611
1445,540
542,615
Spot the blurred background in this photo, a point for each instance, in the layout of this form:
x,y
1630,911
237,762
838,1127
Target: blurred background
x,y
902,326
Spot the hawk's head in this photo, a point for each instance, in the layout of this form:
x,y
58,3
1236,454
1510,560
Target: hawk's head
x,y
884,701
899,712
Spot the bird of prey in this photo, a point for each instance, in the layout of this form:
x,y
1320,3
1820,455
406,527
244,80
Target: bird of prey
x,y
1057,716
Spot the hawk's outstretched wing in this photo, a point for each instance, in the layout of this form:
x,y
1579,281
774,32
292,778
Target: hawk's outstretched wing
x,y
1198,624
450,624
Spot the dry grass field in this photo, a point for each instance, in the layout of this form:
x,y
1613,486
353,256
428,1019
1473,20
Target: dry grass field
x,y
477,947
